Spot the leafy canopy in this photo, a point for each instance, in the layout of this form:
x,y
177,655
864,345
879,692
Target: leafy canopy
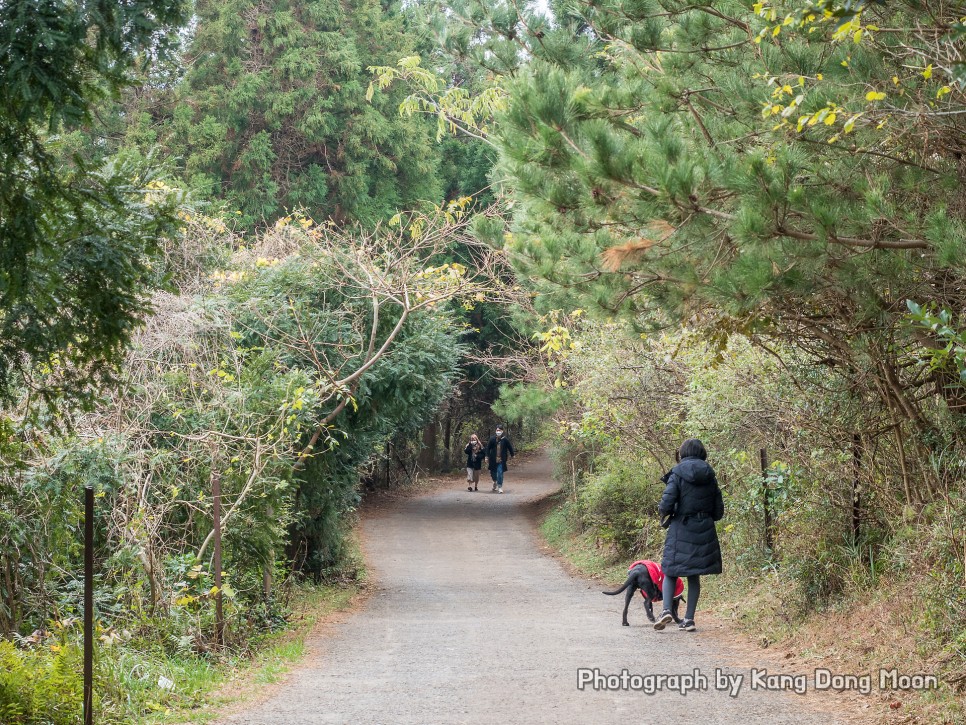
x,y
273,117
787,170
74,240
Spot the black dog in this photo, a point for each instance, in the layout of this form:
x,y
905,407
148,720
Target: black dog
x,y
639,578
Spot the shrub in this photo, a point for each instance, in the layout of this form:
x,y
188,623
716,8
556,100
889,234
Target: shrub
x,y
620,504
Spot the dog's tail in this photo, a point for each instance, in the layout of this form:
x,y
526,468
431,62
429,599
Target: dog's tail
x,y
618,591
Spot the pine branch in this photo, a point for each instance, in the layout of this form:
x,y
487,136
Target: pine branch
x,y
855,242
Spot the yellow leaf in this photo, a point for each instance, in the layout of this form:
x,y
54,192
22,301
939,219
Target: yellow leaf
x,y
857,36
776,31
830,119
943,91
874,96
895,80
819,76
927,74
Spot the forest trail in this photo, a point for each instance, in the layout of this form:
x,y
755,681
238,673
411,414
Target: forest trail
x,y
471,622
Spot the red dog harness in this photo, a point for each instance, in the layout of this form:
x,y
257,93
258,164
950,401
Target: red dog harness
x,y
657,576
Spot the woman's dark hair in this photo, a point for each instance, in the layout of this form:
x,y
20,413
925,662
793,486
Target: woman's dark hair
x,y
693,448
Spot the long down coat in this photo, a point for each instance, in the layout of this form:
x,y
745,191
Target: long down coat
x,y
693,497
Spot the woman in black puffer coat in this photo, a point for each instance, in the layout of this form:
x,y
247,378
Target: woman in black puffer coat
x,y
693,501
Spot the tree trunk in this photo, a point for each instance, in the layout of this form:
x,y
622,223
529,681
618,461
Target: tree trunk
x,y
269,565
427,456
447,442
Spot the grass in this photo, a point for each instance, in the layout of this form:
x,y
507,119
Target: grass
x,y
207,692
144,680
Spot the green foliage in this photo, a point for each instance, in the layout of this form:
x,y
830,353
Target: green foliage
x,y
35,688
940,325
530,403
764,167
264,374
76,239
272,115
618,503
397,396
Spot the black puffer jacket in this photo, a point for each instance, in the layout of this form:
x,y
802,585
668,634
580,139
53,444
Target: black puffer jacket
x,y
693,496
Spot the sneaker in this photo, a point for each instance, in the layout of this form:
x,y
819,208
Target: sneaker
x,y
687,625
494,488
500,490
663,620
469,488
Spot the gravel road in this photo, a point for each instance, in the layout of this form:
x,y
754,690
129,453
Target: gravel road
x,y
471,622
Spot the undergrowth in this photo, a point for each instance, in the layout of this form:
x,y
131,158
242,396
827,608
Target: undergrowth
x,y
140,678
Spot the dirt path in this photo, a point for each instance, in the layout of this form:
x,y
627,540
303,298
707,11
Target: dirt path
x,y
471,623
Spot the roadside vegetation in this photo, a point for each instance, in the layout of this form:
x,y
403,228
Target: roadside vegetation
x,y
303,249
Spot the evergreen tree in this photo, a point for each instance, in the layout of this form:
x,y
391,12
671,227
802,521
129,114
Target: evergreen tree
x,y
273,114
785,169
75,239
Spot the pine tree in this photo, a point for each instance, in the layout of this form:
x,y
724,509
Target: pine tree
x,y
781,168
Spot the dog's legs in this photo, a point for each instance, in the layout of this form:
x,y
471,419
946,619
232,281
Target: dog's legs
x,y
649,609
631,591
674,609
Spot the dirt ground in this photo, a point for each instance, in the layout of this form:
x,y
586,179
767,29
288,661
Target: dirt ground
x,y
471,621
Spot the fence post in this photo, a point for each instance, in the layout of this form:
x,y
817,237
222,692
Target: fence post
x,y
856,489
769,533
88,605
216,514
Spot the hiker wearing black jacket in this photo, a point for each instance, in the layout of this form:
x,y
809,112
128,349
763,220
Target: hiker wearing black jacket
x,y
499,450
475,453
692,500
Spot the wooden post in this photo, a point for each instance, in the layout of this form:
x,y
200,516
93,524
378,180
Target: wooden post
x,y
268,568
216,506
766,503
88,605
856,491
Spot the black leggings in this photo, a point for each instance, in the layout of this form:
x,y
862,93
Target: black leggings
x,y
694,591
